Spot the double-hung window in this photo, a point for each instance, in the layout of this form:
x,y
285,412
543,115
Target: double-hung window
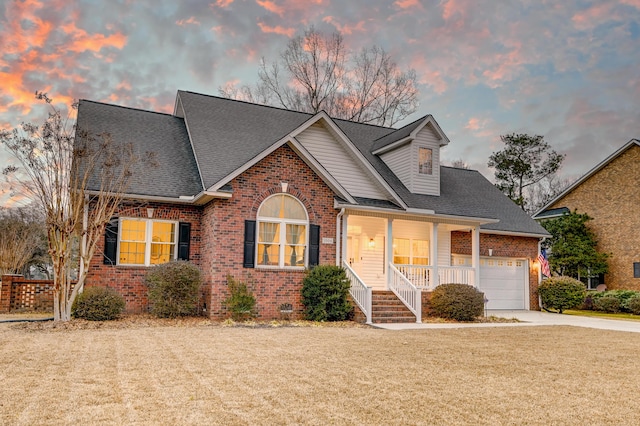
x,y
408,251
282,233
146,242
425,161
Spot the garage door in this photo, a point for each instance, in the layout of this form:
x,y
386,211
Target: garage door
x,y
503,282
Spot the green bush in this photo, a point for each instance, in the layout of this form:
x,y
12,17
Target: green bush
x,y
241,301
561,293
98,304
633,305
174,289
459,302
623,297
325,292
609,304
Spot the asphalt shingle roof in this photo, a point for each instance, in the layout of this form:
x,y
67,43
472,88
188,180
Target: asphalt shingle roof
x,y
163,135
227,134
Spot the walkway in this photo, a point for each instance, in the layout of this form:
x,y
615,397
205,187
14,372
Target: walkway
x,y
529,318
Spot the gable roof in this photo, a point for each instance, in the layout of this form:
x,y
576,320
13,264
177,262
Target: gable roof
x,y
150,132
209,140
543,211
406,134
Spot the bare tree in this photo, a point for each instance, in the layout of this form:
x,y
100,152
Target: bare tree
x,y
539,194
22,235
60,162
317,72
460,164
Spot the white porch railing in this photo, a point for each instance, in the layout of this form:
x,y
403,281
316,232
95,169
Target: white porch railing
x,y
423,276
359,291
456,275
408,293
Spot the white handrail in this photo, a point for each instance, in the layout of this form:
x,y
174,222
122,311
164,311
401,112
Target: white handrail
x,y
408,294
456,275
420,276
359,291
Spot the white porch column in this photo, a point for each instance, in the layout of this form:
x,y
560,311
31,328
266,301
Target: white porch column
x,y
433,246
343,237
475,255
389,255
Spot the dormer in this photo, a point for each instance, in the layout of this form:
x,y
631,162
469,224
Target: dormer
x,y
413,154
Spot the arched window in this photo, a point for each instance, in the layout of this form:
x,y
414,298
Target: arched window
x,y
282,232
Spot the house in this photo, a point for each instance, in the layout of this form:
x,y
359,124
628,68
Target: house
x,y
610,194
262,193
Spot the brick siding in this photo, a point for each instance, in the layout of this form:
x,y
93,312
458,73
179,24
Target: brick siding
x,y
611,197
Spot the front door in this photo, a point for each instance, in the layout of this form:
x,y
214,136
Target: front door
x,y
354,259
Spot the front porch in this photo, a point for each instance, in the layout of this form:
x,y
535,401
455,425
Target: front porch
x,y
405,255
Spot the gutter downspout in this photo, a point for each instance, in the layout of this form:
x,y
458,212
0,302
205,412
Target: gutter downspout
x,y
338,239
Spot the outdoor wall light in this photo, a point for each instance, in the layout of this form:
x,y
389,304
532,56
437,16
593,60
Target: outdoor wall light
x,y
372,243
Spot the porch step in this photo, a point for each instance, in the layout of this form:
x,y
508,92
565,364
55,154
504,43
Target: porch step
x,y
387,308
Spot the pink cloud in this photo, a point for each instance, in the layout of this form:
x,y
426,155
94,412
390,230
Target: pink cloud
x,y
83,41
222,3
593,16
271,6
345,29
406,4
289,32
191,21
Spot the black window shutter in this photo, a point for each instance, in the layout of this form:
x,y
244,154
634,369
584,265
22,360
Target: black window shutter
x,y
249,243
111,242
314,245
184,240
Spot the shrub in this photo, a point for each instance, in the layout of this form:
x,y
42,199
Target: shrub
x,y
609,304
241,301
623,297
633,305
460,302
325,292
561,293
173,289
98,304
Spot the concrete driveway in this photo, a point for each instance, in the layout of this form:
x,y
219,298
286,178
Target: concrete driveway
x,y
530,318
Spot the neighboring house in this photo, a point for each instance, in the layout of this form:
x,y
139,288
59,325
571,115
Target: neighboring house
x,y
262,193
610,194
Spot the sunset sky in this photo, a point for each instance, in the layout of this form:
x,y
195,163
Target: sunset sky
x,y
568,70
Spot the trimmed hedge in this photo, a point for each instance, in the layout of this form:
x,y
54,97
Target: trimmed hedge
x,y
460,302
561,293
609,304
98,304
241,301
633,305
622,296
325,294
174,289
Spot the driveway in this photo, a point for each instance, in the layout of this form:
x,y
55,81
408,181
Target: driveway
x,y
530,318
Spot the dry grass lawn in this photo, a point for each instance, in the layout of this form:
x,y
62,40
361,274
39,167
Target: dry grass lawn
x,y
206,374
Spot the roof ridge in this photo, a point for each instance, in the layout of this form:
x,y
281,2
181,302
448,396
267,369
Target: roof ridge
x,y
130,108
289,110
400,128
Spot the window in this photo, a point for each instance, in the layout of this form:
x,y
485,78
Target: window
x,y
425,163
282,232
146,242
410,252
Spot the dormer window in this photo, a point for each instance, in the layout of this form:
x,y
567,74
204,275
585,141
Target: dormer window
x,y
425,161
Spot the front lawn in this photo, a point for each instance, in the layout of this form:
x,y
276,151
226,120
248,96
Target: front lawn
x,y
195,373
599,314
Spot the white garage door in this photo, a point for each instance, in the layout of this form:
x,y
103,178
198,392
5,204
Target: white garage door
x,y
503,282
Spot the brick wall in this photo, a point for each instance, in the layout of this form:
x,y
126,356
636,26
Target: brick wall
x,y
129,280
20,294
611,198
223,232
503,246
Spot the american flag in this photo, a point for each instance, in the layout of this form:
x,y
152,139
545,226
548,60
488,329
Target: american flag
x,y
544,263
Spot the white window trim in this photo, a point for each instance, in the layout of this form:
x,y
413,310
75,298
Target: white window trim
x,y
411,255
148,236
282,236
